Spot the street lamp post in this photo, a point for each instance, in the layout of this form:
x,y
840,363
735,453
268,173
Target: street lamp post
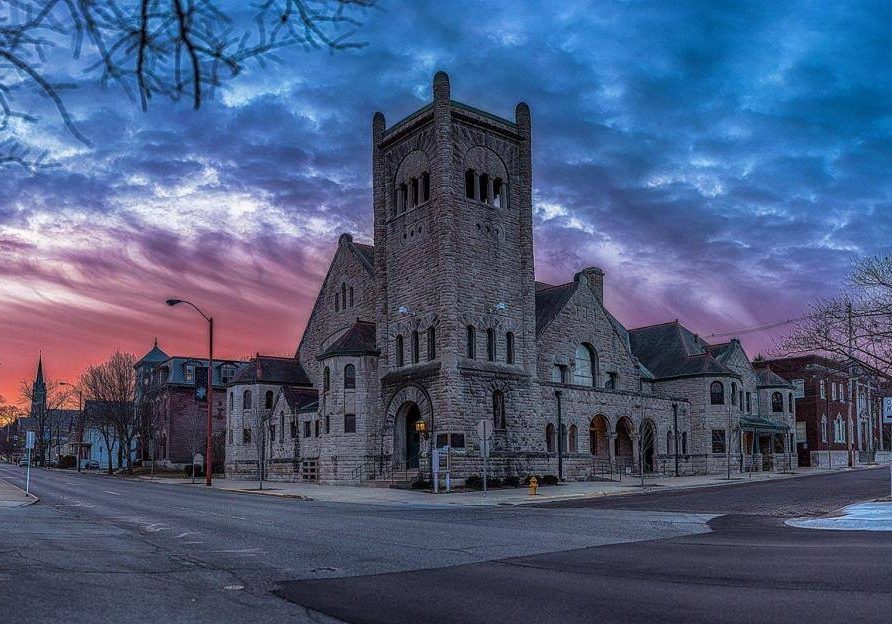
x,y
210,378
80,422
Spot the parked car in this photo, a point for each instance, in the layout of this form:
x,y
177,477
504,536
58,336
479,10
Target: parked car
x,y
23,461
90,464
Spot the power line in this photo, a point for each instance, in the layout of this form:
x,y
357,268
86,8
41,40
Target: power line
x,y
773,324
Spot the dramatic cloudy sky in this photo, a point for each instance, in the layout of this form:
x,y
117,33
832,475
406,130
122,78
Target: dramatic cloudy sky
x,y
723,165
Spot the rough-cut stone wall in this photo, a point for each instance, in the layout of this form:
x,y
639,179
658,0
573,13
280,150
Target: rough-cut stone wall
x,y
326,324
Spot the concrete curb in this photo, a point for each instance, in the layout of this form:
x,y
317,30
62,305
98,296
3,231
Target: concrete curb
x,y
29,499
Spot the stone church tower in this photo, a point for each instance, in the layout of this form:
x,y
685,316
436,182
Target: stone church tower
x,y
454,277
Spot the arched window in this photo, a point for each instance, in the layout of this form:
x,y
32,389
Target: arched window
x,y
326,379
416,348
549,438
717,393
509,347
559,374
431,343
669,442
491,344
484,188
349,377
472,342
246,400
498,193
733,393
791,402
563,440
231,402
343,295
469,184
824,428
684,442
425,186
585,369
268,400
498,409
572,440
415,192
351,296
400,358
777,402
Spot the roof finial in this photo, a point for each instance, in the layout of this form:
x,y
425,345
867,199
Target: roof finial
x,y
156,341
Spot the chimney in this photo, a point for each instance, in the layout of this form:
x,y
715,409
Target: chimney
x,y
594,276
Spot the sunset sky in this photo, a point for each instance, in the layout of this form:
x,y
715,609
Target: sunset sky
x,y
723,166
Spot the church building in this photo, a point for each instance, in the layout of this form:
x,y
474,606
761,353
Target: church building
x,y
440,325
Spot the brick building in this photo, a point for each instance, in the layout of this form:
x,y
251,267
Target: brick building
x,y
171,396
440,325
826,419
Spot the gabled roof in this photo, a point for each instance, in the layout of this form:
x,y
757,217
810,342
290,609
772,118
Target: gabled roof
x,y
672,350
769,379
549,302
300,399
366,255
358,340
154,356
272,370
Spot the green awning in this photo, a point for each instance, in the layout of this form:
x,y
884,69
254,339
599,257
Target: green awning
x,y
754,423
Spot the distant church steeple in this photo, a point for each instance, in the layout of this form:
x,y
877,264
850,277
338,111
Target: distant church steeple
x,y
38,390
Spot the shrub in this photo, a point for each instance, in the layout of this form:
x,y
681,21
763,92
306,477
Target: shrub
x,y
548,480
512,482
475,482
187,470
421,484
494,482
67,462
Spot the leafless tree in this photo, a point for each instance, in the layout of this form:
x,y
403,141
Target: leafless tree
x,y
9,414
45,415
259,435
151,48
111,385
855,326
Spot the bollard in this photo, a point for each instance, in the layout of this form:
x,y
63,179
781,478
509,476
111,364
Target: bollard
x,y
534,486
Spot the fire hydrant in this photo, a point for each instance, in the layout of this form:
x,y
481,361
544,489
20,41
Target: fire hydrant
x,y
534,486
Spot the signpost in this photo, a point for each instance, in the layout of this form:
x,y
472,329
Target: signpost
x,y
29,445
484,432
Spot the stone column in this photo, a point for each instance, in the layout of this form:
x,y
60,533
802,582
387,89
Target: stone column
x,y
611,446
476,186
489,190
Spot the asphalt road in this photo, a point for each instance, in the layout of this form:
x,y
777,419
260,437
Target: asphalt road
x,y
750,568
103,549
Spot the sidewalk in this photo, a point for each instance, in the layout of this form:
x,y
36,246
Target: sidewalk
x,y
871,516
12,496
502,496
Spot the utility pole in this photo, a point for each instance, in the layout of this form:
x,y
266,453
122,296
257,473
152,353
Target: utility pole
x,y
851,392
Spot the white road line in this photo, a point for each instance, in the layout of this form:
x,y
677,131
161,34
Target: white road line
x,y
110,492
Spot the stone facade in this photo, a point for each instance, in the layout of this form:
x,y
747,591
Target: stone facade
x,y
440,325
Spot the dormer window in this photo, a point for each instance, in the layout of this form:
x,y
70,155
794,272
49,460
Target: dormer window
x,y
189,373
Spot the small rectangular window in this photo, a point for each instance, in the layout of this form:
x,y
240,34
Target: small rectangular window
x,y
458,440
718,440
490,345
327,424
472,342
431,344
306,428
416,348
317,426
293,429
246,436
190,373
351,296
442,440
425,186
509,347
272,433
349,423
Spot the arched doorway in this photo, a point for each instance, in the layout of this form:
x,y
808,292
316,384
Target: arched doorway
x,y
623,443
597,437
648,444
407,441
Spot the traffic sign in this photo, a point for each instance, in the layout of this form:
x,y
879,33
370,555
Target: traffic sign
x,y
29,439
484,429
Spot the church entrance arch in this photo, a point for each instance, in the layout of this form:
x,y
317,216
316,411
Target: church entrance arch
x,y
408,406
597,437
648,443
623,442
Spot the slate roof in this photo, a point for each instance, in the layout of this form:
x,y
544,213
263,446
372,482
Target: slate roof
x,y
672,350
358,340
176,374
272,370
549,302
155,356
769,379
301,399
